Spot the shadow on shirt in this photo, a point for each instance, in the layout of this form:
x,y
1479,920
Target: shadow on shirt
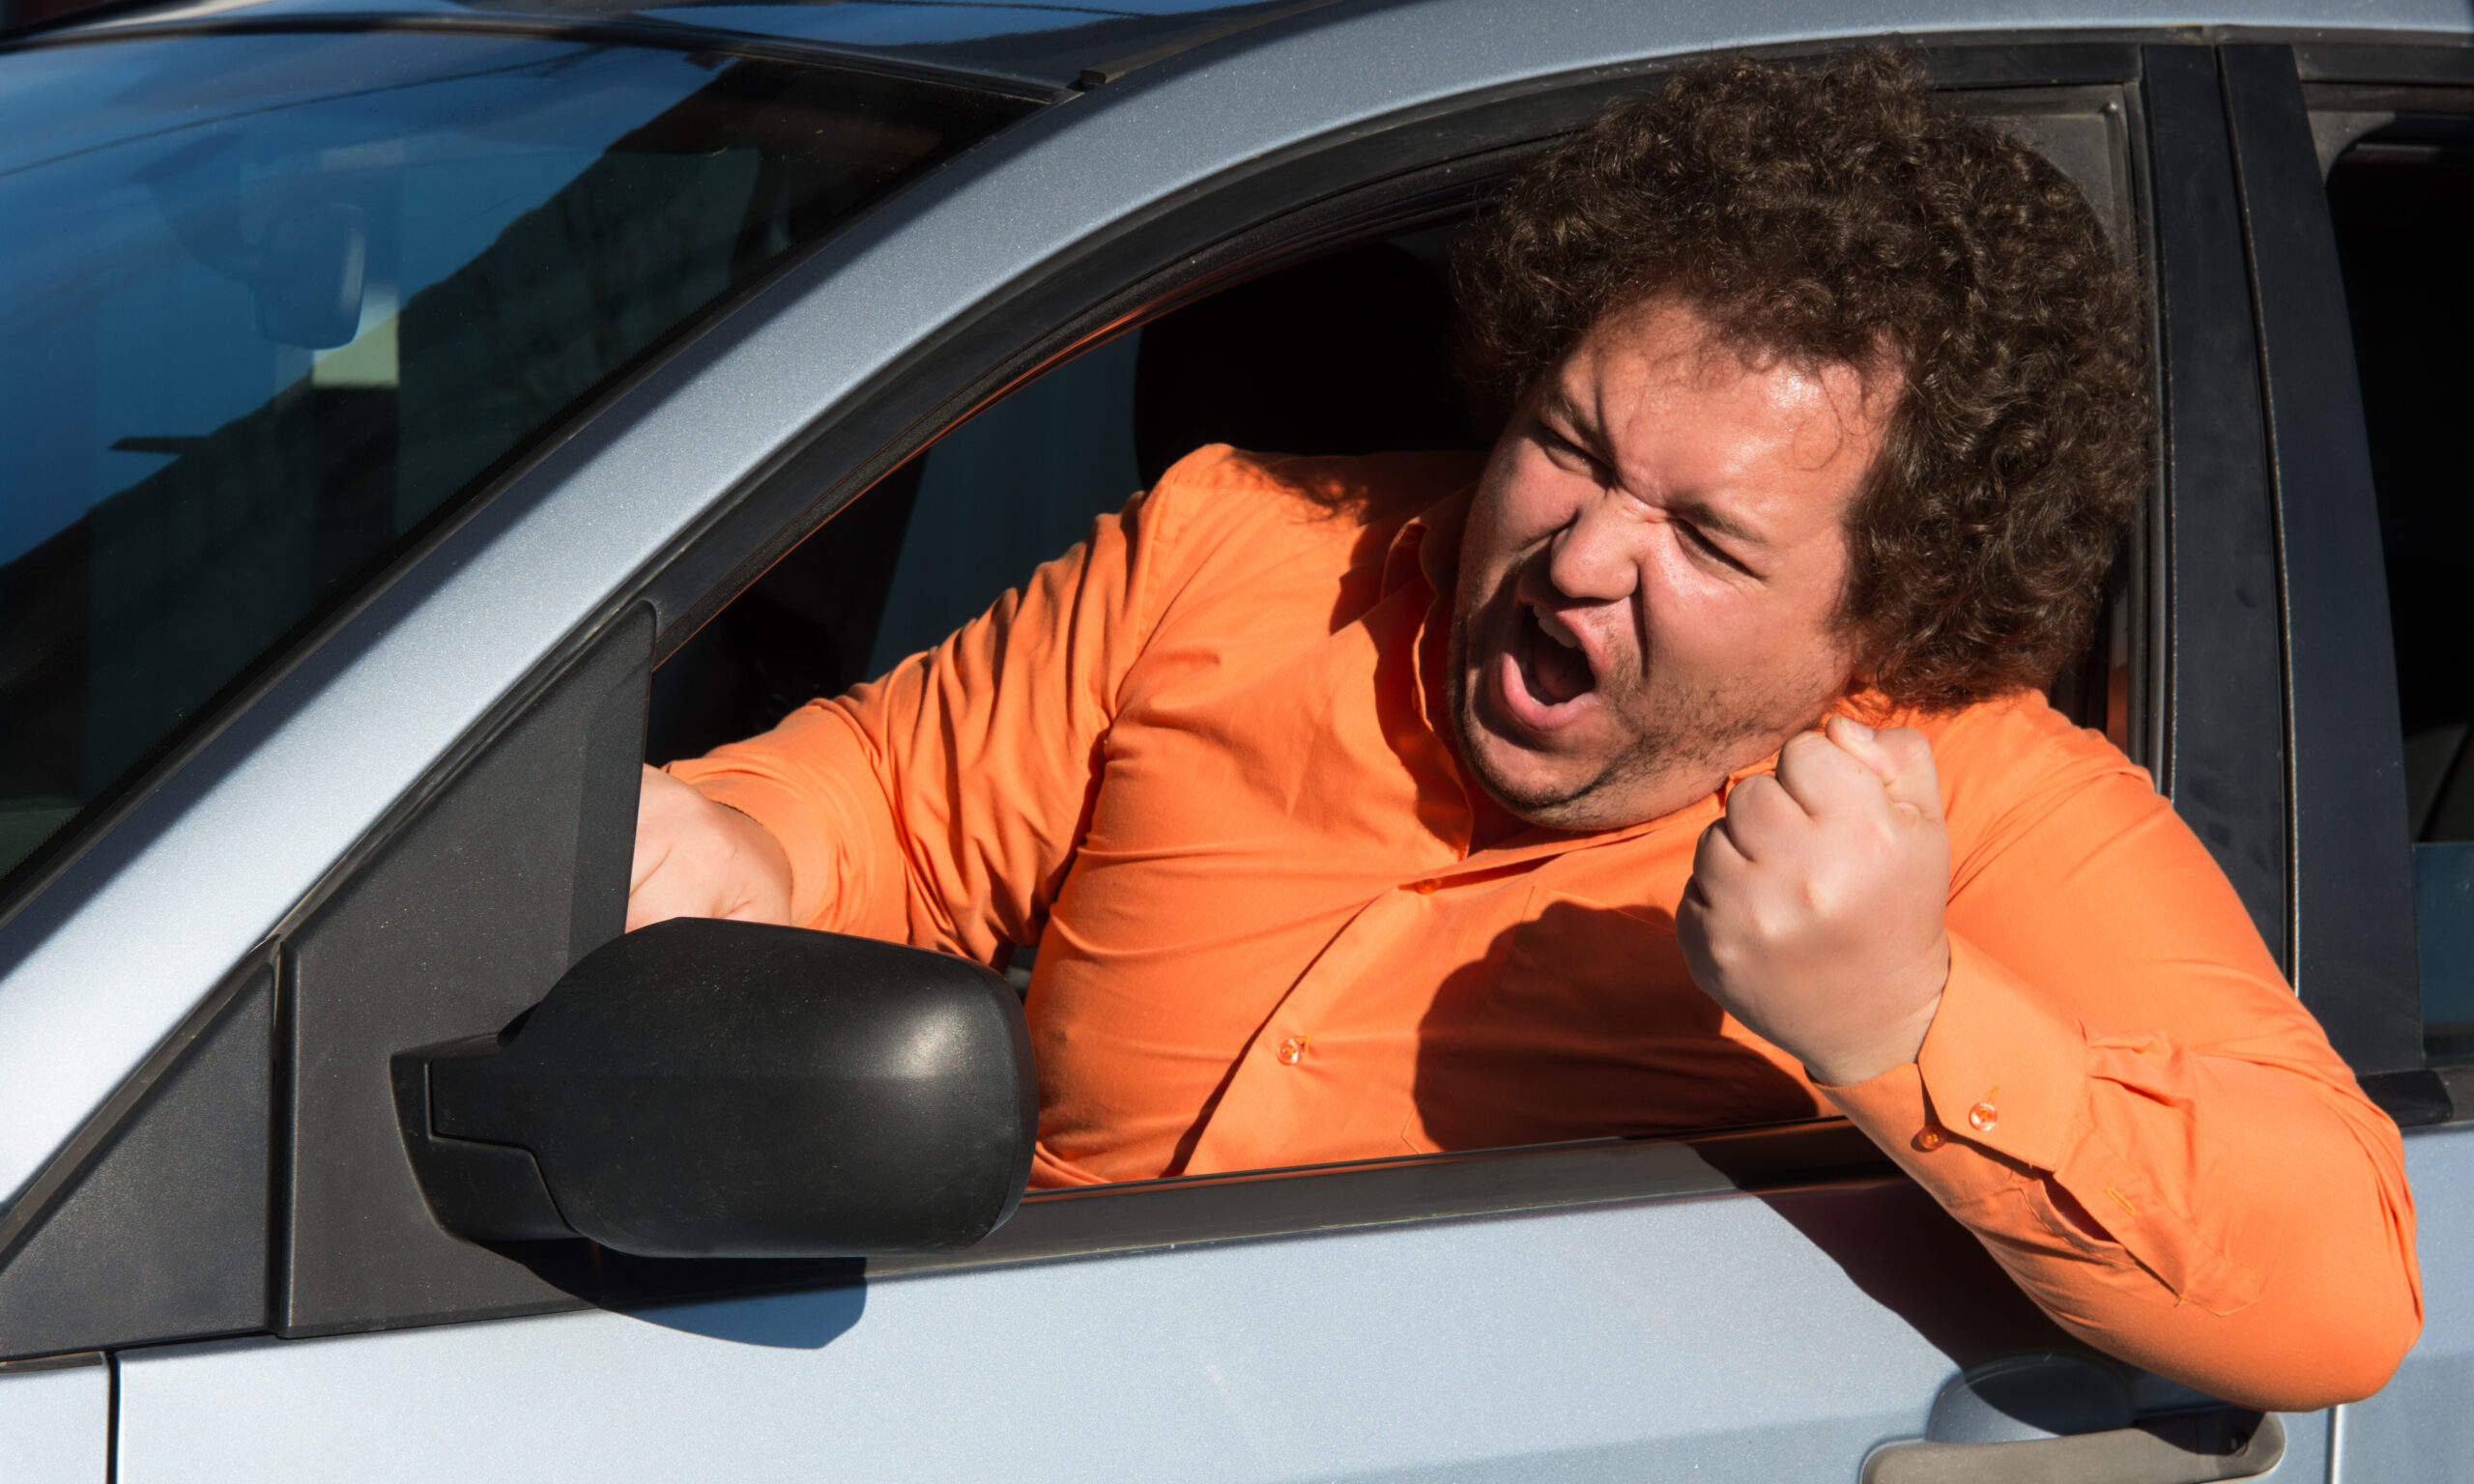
x,y
1583,1021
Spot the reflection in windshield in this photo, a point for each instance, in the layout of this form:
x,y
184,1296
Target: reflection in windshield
x,y
269,304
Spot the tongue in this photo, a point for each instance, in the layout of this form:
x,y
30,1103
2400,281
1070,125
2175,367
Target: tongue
x,y
1556,673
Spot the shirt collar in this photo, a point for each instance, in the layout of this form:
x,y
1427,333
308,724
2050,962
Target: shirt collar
x,y
1427,546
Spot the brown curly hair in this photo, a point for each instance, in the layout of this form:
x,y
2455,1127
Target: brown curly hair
x,y
1840,215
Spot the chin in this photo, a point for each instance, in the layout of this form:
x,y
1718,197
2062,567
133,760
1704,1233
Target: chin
x,y
1558,794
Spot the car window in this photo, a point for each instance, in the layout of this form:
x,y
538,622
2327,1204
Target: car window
x,y
2404,205
1060,450
1342,355
274,301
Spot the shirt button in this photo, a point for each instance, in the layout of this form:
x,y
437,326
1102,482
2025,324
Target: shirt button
x,y
1930,1137
1983,1117
1292,1051
1427,888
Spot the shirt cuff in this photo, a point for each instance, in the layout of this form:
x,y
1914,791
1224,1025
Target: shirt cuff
x,y
2002,1071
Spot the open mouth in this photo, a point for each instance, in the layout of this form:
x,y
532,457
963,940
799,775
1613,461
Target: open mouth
x,y
1552,666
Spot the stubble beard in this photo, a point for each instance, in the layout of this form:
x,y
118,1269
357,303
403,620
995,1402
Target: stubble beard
x,y
1685,745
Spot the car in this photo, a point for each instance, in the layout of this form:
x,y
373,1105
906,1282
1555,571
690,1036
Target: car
x,y
417,414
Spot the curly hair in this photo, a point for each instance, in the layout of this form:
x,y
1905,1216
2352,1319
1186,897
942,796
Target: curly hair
x,y
1840,215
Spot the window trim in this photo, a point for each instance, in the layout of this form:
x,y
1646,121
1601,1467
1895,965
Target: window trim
x,y
1297,1201
2350,911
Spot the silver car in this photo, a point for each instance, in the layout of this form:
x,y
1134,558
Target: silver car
x,y
415,414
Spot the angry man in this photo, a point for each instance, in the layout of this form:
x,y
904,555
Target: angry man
x,y
1682,762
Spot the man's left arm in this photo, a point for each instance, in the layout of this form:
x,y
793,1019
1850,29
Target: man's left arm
x,y
2081,1049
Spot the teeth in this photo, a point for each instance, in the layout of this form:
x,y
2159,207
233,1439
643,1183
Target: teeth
x,y
1553,628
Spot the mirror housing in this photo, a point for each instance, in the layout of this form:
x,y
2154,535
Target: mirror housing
x,y
310,275
701,1088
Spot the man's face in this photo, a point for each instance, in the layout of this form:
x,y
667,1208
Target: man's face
x,y
1651,571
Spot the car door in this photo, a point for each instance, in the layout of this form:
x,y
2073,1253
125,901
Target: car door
x,y
1749,1303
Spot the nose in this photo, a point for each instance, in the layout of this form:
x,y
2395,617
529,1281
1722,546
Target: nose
x,y
1595,558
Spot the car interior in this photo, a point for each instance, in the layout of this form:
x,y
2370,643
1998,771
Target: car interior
x,y
1340,354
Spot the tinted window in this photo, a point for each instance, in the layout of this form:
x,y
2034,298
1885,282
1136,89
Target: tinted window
x,y
269,304
2404,213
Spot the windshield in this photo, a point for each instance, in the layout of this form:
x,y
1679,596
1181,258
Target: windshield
x,y
271,303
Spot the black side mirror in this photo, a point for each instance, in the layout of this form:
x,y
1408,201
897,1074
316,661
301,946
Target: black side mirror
x,y
715,1089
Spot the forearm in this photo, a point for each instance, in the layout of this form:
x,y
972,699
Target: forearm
x,y
815,785
2236,1219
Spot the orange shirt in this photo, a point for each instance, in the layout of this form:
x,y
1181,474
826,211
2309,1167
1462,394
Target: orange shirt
x,y
1192,761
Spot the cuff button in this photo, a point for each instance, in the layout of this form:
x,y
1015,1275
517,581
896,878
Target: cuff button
x,y
1929,1138
1983,1117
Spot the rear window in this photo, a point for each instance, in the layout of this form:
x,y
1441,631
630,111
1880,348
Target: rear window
x,y
271,303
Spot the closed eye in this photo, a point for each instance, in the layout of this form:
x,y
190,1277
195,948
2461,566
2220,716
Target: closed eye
x,y
1564,450
1695,538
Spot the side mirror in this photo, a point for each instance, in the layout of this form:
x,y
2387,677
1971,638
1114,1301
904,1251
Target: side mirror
x,y
309,277
715,1089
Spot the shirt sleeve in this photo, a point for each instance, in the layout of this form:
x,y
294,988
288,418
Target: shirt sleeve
x,y
2124,1100
939,806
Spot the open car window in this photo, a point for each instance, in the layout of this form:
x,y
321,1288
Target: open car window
x,y
1342,354
1345,352
274,302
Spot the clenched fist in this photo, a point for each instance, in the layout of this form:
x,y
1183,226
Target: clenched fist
x,y
696,858
1815,910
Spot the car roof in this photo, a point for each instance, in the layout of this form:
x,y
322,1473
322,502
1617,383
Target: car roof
x,y
1049,43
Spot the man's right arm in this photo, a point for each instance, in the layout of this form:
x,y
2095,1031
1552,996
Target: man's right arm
x,y
696,858
941,804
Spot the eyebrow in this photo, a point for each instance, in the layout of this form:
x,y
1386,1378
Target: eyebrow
x,y
1559,404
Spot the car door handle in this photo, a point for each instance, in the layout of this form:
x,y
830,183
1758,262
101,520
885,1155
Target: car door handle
x,y
2186,1448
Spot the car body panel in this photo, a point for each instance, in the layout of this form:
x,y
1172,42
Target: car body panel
x,y
2419,1429
55,1421
1699,1337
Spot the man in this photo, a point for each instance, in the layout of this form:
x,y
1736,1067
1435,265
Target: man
x,y
1682,765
